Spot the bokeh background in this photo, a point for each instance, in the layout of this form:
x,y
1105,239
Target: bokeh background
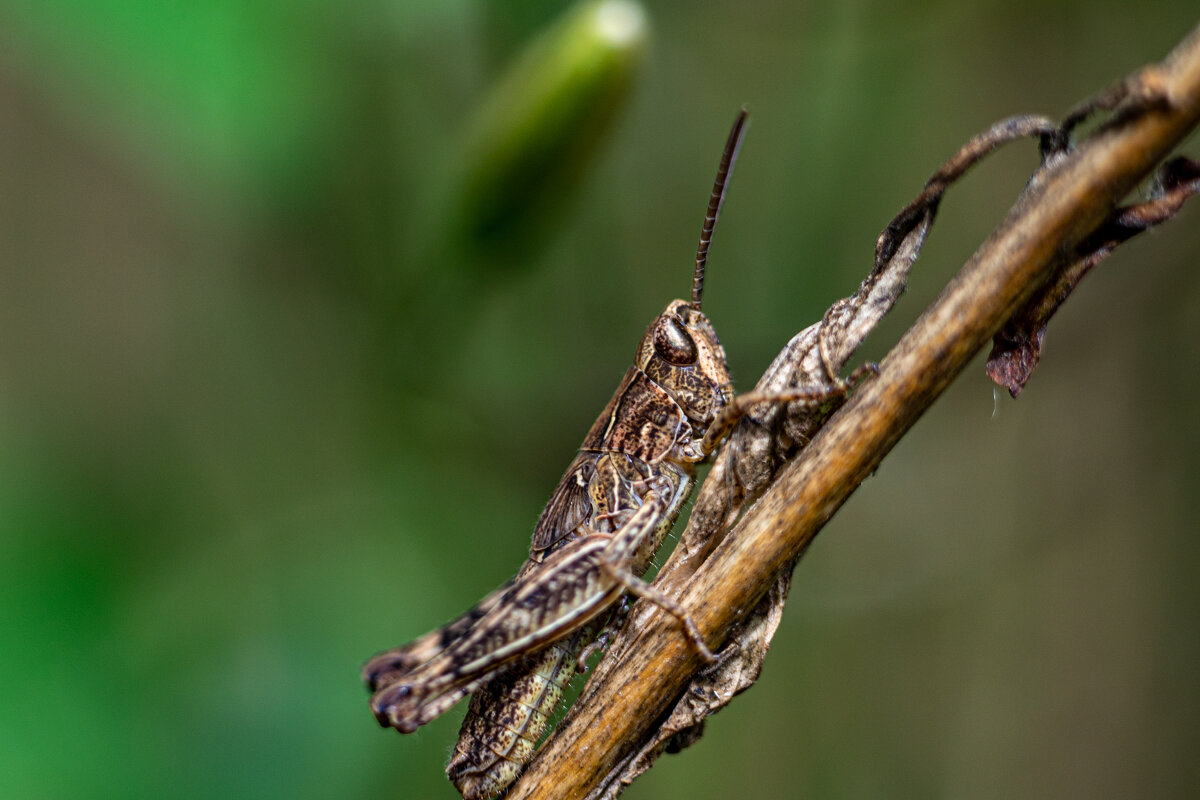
x,y
297,333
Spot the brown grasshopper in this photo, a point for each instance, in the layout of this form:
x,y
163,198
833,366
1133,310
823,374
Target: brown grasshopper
x,y
519,647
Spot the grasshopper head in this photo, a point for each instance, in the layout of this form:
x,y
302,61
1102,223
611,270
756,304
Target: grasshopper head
x,y
682,354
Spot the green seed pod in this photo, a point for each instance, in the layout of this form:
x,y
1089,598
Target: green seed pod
x,y
540,127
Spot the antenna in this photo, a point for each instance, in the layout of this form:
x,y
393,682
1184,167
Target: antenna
x,y
714,203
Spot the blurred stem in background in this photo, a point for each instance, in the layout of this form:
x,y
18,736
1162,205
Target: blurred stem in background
x,y
541,126
522,159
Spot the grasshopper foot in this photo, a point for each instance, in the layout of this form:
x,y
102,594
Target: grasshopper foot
x,y
390,707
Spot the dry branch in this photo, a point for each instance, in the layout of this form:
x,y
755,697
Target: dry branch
x,y
1064,205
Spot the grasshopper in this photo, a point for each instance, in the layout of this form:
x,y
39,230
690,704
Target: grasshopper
x,y
519,647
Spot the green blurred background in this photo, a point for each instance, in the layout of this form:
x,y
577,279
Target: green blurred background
x,y
297,333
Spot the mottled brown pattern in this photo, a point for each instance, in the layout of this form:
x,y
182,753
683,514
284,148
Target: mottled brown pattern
x,y
642,420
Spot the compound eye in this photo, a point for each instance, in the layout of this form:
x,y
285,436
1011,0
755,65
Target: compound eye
x,y
673,342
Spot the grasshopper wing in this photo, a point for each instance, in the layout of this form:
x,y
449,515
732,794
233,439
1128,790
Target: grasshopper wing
x,y
569,506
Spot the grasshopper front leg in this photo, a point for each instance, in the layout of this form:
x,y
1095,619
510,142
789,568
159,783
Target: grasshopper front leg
x,y
741,405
